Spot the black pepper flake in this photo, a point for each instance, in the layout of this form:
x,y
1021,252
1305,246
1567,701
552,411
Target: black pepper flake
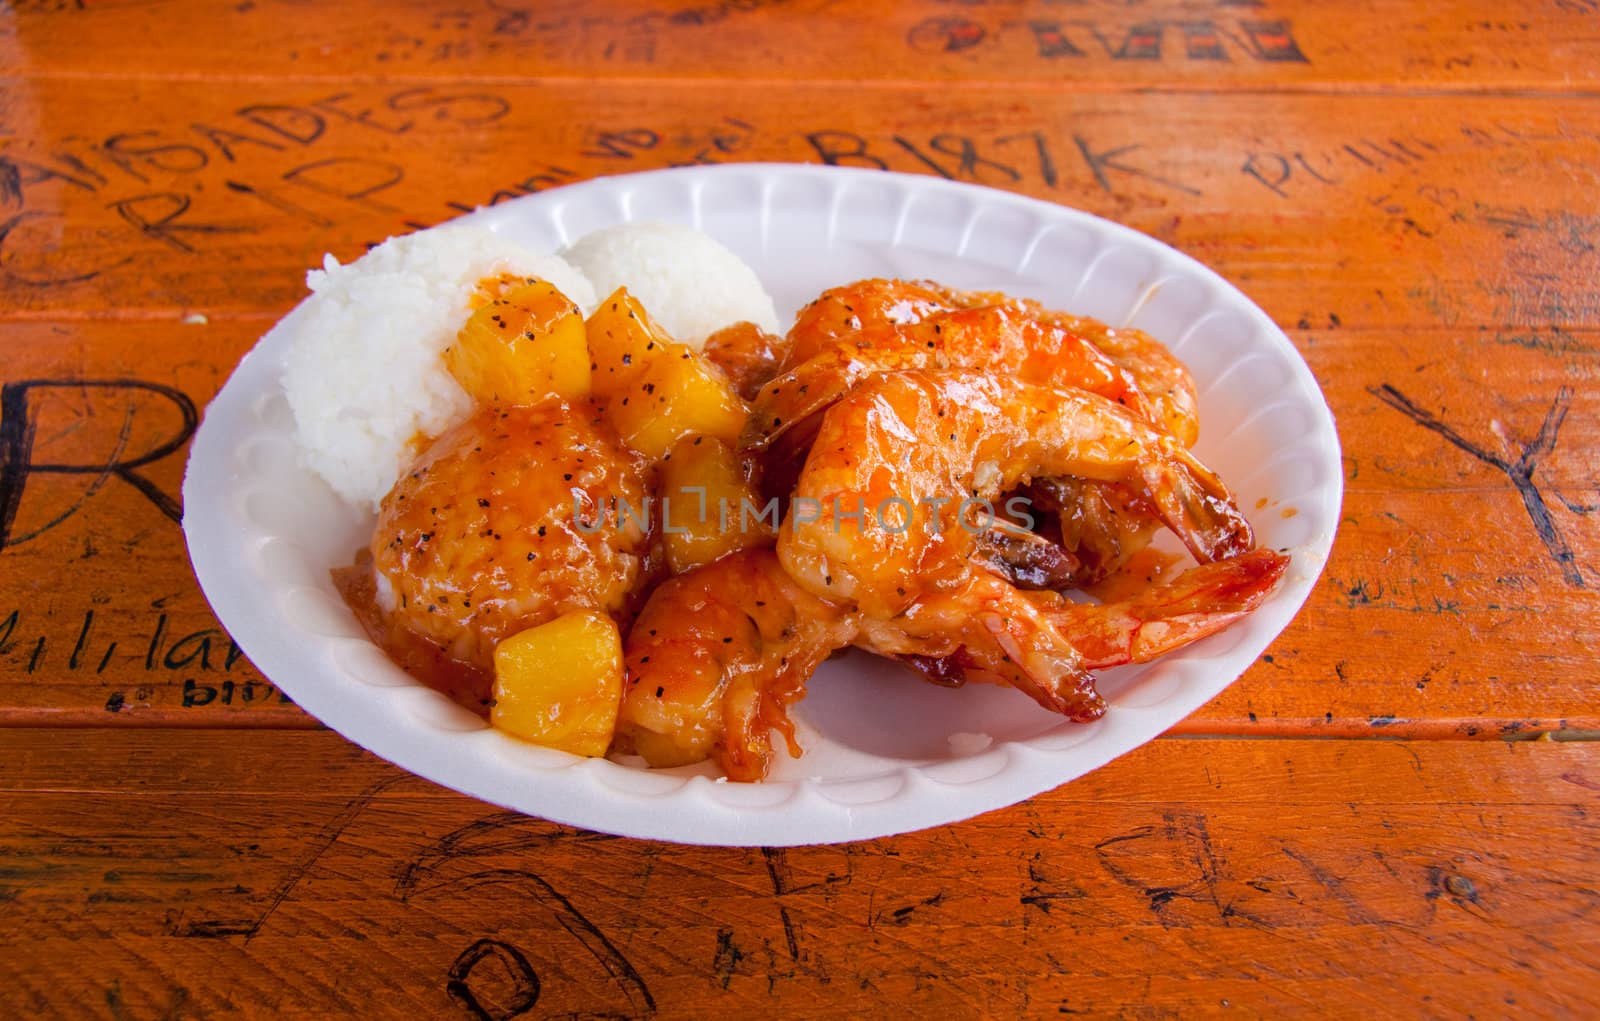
x,y
727,641
827,579
644,659
660,691
482,502
541,530
566,476
627,359
532,556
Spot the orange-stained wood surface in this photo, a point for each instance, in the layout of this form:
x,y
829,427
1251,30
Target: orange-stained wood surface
x,y
1410,191
188,873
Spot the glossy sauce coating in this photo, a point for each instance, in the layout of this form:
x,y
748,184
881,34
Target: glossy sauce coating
x,y
508,520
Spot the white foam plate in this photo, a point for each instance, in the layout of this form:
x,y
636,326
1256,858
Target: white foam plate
x,y
885,752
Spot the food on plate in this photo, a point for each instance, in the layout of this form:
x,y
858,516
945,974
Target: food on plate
x,y
985,338
747,354
524,342
638,525
364,378
689,280
559,684
657,391
954,441
716,658
710,504
507,521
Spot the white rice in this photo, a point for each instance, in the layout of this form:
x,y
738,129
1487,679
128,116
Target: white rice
x,y
687,280
364,377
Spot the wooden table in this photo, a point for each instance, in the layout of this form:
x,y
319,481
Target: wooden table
x,y
1394,812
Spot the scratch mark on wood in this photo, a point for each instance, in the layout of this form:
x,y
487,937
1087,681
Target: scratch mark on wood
x,y
524,981
498,834
778,870
1579,780
1358,913
212,929
1520,471
727,957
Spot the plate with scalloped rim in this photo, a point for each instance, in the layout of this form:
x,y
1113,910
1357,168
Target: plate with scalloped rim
x,y
885,752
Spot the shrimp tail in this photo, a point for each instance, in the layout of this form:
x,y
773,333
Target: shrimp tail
x,y
1197,603
1037,659
1195,504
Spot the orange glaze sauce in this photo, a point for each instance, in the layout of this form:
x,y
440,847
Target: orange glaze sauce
x,y
1143,569
466,685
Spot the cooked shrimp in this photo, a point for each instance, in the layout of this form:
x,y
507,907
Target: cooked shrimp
x,y
986,337
1027,559
1045,645
1100,524
715,659
1199,602
1161,377
865,308
747,353
497,528
908,457
1164,380
874,326
986,630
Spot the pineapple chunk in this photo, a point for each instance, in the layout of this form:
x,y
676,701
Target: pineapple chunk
x,y
522,346
656,390
711,510
622,337
678,394
560,684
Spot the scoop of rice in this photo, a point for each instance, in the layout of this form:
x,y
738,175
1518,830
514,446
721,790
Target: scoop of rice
x,y
690,282
364,376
